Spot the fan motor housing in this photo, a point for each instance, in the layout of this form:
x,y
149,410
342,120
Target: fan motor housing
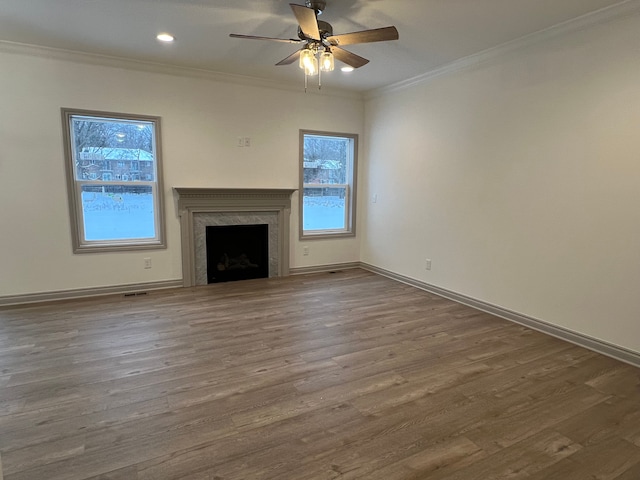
x,y
326,30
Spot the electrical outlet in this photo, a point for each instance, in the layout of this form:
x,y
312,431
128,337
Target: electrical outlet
x,y
240,141
427,264
247,141
305,251
374,199
147,262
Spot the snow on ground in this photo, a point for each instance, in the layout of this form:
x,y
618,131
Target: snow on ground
x,y
117,216
323,213
110,216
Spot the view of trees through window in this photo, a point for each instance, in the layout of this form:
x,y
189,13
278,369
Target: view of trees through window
x,y
90,132
325,159
115,174
327,167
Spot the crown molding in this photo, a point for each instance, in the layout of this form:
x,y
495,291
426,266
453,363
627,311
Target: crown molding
x,y
163,69
604,15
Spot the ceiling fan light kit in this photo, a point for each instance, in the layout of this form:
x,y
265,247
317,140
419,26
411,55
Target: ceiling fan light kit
x,y
309,62
320,46
326,61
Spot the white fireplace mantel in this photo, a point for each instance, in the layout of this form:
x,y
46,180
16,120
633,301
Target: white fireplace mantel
x,y
230,206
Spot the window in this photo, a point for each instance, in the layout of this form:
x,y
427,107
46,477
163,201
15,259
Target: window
x,y
328,184
111,209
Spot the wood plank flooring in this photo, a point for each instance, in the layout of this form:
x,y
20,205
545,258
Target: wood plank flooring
x,y
330,376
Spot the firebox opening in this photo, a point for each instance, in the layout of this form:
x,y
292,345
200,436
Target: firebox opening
x,y
237,252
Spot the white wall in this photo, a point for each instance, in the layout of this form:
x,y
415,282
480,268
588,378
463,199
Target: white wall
x,y
201,120
520,179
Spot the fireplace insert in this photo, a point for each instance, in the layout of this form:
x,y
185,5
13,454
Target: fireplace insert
x,y
237,252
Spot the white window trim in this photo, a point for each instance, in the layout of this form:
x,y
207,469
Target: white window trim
x,y
74,188
350,193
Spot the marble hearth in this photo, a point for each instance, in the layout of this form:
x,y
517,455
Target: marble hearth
x,y
202,207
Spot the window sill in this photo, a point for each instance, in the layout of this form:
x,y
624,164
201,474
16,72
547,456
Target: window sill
x,y
326,235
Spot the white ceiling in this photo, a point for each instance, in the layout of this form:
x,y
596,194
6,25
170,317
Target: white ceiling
x,y
433,33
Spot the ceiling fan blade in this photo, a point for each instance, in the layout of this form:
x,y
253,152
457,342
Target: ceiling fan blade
x,y
349,58
253,37
290,59
307,20
366,36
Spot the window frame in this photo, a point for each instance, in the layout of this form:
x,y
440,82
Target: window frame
x,y
350,189
74,186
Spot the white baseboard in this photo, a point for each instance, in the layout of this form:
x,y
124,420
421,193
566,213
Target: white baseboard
x,y
324,268
86,292
53,296
614,351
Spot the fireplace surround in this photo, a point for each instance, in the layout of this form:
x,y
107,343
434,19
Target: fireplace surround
x,y
202,207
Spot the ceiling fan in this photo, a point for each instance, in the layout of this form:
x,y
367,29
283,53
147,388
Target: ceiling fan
x,y
318,40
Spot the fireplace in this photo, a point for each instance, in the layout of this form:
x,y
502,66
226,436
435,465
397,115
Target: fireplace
x,y
200,208
237,252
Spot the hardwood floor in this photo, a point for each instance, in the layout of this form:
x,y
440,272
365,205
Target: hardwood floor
x,y
346,375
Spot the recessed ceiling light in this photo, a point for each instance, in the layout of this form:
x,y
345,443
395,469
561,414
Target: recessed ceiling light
x,y
347,69
165,37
